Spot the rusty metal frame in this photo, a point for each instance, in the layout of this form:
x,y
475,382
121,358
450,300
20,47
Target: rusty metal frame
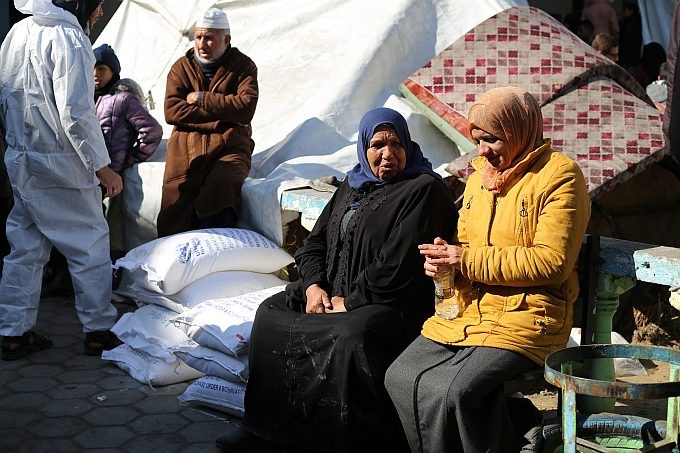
x,y
572,385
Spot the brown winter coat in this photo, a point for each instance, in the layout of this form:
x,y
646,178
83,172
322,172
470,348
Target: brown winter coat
x,y
209,151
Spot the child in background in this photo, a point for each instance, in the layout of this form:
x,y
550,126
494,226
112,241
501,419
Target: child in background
x,y
607,45
130,132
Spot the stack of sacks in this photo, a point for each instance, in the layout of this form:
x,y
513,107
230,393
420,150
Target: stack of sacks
x,y
220,333
148,335
183,270
176,274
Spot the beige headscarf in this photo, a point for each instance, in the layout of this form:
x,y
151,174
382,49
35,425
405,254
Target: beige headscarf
x,y
514,116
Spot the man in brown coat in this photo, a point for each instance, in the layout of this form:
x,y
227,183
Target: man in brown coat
x,y
210,98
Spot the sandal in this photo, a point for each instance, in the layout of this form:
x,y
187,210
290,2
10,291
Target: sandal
x,y
19,347
97,342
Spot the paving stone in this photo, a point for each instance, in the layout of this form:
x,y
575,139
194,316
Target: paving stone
x,y
121,397
51,446
207,447
18,419
158,423
159,404
8,365
12,437
66,427
51,355
69,417
119,381
73,390
114,415
80,376
22,401
59,301
110,369
157,443
204,431
103,437
8,376
70,407
32,384
64,341
172,389
202,414
62,329
80,361
76,350
67,319
39,370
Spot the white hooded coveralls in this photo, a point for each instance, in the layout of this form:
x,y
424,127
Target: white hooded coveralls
x,y
54,148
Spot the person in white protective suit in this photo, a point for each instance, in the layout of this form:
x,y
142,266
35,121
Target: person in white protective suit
x,y
56,158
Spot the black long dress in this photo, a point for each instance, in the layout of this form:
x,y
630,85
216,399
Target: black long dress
x,y
316,380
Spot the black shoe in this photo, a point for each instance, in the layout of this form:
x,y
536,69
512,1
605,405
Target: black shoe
x,y
242,441
533,440
20,346
97,342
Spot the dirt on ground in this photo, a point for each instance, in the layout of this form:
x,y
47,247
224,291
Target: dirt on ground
x,y
645,316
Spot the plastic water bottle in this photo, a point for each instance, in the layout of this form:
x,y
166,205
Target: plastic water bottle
x,y
445,304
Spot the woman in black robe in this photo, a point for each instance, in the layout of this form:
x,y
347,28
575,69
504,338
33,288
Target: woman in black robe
x,y
319,350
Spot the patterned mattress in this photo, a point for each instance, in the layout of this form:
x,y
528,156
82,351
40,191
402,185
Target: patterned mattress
x,y
593,110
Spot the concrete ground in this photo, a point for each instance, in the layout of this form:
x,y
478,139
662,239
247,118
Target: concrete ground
x,y
60,400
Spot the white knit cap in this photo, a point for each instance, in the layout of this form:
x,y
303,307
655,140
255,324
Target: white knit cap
x,y
213,18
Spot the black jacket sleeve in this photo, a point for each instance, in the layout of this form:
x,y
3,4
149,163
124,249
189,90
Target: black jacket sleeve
x,y
311,257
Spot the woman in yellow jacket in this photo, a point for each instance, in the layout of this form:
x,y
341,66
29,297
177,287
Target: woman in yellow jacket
x,y
525,211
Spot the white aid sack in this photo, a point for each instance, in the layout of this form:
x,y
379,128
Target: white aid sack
x,y
212,362
150,329
132,290
148,369
224,324
169,264
623,366
216,393
214,286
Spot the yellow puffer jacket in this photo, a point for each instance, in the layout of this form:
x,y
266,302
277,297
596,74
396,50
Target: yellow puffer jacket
x,y
519,280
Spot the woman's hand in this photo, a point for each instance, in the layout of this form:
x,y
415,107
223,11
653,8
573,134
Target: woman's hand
x,y
317,300
438,255
337,305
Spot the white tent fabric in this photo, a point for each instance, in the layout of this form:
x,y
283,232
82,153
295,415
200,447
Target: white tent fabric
x,y
322,64
656,20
